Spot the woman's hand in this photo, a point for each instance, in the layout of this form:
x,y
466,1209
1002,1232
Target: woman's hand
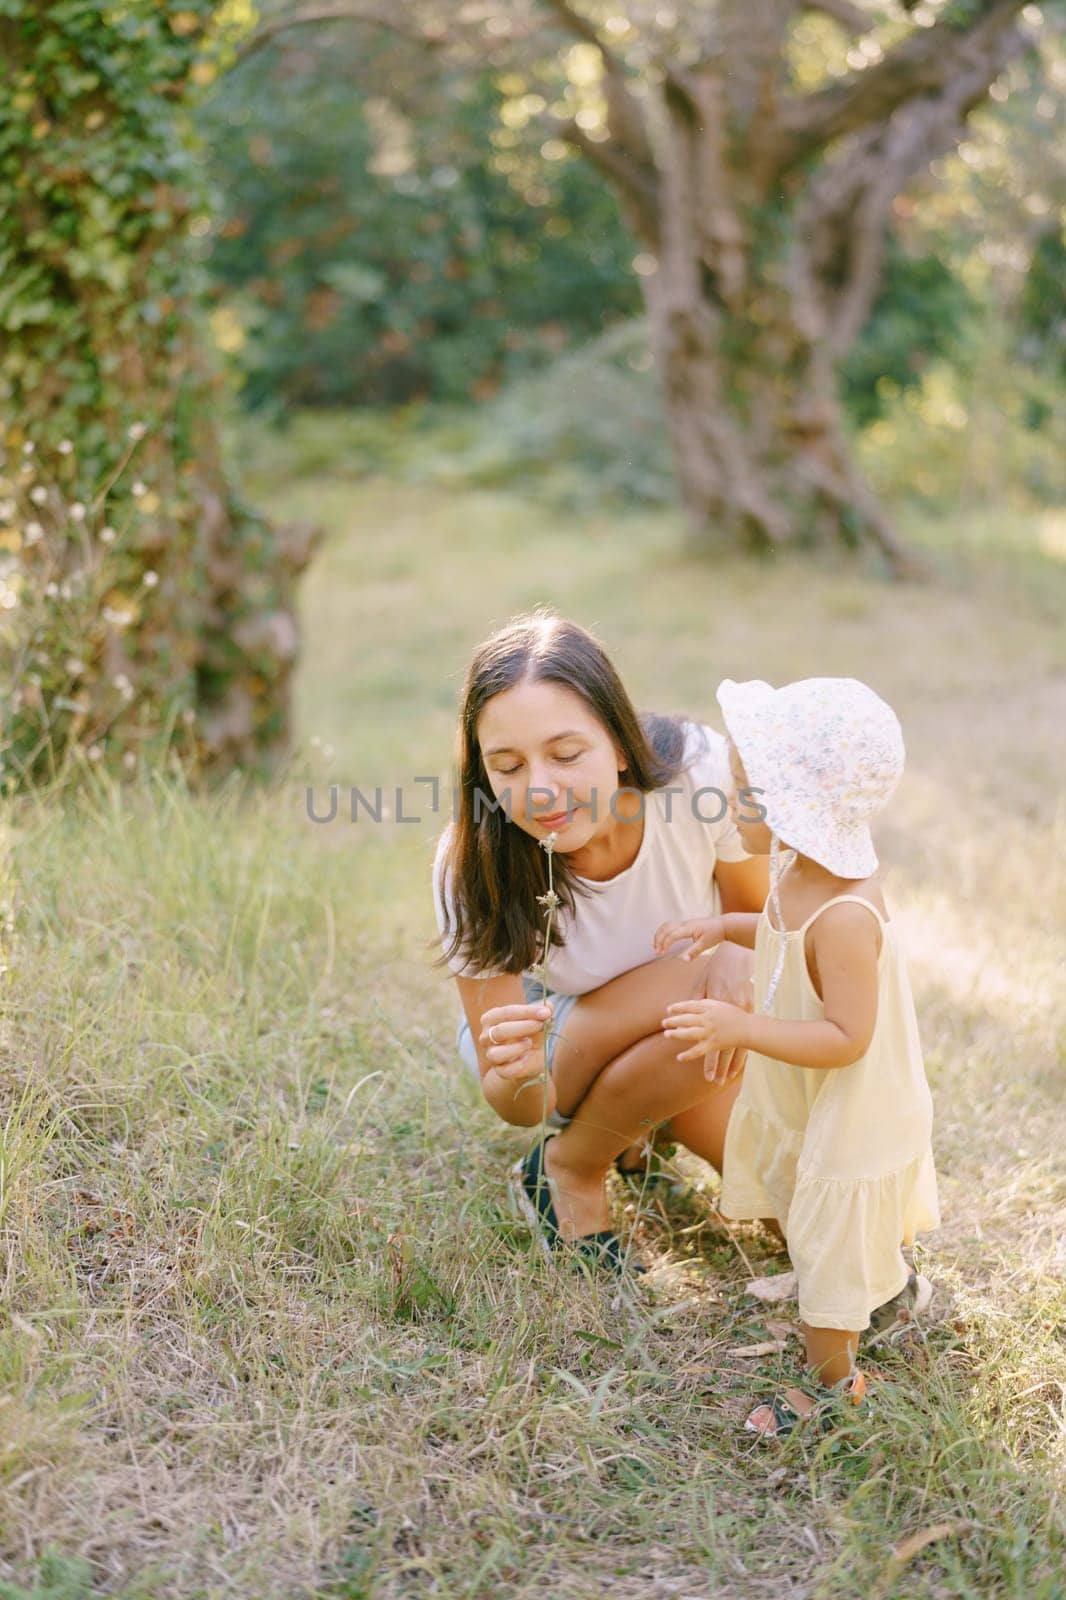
x,y
705,933
517,1063
516,1048
718,1031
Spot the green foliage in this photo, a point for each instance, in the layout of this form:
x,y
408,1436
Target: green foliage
x,y
1042,311
100,177
921,316
58,1578
100,335
377,251
371,251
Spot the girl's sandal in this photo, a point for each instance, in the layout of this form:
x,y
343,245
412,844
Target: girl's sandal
x,y
777,1418
530,1183
904,1312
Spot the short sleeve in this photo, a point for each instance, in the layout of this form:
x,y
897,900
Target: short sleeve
x,y
445,914
709,769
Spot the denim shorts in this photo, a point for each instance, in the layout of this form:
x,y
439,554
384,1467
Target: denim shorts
x,y
562,1005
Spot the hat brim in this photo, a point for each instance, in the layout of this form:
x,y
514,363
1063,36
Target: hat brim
x,y
847,852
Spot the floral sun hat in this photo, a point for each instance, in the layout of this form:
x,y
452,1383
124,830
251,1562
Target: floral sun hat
x,y
826,754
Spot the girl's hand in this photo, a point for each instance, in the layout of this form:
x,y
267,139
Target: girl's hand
x,y
705,933
714,1026
516,1050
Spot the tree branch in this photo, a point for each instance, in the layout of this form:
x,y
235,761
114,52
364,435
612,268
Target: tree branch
x,y
625,116
850,17
922,63
581,28
848,209
339,12
637,183
749,59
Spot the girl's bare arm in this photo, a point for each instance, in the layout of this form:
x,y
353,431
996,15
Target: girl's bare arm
x,y
846,942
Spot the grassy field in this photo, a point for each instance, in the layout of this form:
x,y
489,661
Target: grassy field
x,y
270,1325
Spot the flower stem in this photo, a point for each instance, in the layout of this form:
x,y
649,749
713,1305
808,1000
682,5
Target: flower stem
x,y
549,901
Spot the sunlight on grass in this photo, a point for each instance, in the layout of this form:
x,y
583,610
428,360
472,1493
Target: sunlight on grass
x,y
272,1325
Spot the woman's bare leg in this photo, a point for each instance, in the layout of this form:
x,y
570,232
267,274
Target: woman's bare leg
x,y
702,1127
606,1021
617,1076
642,1087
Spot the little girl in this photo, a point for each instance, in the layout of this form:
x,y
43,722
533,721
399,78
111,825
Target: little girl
x,y
830,1134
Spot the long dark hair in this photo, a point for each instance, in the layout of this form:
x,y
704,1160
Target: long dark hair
x,y
496,869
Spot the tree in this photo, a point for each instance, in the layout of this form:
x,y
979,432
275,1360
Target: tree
x,y
371,248
762,194
142,600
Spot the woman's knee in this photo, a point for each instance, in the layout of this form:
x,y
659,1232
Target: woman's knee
x,y
608,1021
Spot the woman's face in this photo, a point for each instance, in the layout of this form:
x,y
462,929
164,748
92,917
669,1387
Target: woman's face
x,y
543,746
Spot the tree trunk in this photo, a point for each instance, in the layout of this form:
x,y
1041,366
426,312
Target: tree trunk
x,y
764,213
757,429
146,607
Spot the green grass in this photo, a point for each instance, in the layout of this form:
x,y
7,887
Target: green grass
x,y
270,1326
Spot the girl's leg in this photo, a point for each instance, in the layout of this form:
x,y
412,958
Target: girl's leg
x,y
830,1353
830,1360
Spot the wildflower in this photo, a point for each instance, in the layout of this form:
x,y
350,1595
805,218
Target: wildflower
x,y
107,535
138,488
34,533
551,902
136,430
28,448
77,511
65,447
150,579
39,496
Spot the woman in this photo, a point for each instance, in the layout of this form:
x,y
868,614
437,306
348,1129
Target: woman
x,y
549,743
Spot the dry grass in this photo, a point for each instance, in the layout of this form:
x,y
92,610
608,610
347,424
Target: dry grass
x,y
270,1325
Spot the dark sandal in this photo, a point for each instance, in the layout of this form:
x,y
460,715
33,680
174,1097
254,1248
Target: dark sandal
x,y
530,1184
648,1170
795,1406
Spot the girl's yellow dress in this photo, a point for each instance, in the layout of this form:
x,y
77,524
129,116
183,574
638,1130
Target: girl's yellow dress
x,y
841,1156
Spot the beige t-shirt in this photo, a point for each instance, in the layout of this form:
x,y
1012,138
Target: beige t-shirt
x,y
685,834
